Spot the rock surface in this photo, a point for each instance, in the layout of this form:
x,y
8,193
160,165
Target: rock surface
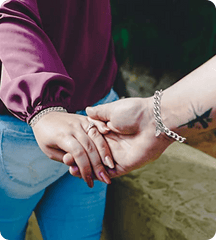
x,y
171,198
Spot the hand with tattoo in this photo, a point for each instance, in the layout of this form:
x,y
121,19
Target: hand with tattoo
x,y
187,108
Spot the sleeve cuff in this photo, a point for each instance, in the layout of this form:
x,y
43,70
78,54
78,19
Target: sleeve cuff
x,y
47,108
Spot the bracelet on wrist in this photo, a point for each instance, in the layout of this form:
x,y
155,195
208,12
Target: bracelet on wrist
x,y
36,118
160,127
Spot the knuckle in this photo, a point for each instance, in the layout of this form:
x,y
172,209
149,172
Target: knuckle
x,y
61,135
93,132
89,147
68,141
103,147
78,152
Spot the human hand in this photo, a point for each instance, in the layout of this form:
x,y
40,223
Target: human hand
x,y
132,140
63,137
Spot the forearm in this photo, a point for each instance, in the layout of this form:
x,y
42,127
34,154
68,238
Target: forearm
x,y
36,77
189,106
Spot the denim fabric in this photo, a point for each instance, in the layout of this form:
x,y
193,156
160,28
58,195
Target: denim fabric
x,y
66,207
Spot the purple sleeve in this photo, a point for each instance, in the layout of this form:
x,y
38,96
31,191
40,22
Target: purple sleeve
x,y
37,78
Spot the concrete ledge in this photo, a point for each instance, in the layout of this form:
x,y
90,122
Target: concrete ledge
x,y
171,198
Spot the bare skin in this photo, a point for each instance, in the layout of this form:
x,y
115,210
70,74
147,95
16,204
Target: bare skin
x,y
63,137
187,108
132,137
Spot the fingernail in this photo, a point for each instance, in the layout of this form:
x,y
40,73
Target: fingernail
x,y
89,181
105,178
109,162
76,170
66,158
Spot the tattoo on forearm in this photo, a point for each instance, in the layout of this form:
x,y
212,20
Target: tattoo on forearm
x,y
204,119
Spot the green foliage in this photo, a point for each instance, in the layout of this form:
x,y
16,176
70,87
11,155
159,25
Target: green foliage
x,y
176,35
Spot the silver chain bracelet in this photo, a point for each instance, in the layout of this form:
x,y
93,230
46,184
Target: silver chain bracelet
x,y
36,118
160,127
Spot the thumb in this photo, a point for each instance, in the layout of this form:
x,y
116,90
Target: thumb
x,y
106,114
100,112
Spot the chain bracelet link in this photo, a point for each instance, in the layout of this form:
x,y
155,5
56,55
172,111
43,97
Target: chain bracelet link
x,y
36,118
160,127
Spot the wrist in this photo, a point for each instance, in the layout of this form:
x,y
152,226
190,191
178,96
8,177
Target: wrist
x,y
44,112
150,129
170,128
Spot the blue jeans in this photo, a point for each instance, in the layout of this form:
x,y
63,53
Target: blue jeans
x,y
65,207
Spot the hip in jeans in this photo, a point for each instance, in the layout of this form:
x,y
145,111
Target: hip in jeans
x,y
24,169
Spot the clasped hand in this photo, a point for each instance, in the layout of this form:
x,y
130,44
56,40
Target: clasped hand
x,y
125,132
131,138
64,137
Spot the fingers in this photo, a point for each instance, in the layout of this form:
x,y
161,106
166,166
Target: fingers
x,y
100,112
67,133
97,150
83,152
66,158
101,126
77,155
101,116
55,154
83,157
102,147
74,170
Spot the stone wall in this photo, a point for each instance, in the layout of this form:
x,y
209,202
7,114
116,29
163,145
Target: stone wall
x,y
171,198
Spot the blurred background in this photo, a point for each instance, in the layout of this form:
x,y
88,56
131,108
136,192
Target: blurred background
x,y
163,36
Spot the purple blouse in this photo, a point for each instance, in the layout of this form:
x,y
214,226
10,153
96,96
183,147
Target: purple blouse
x,y
56,53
